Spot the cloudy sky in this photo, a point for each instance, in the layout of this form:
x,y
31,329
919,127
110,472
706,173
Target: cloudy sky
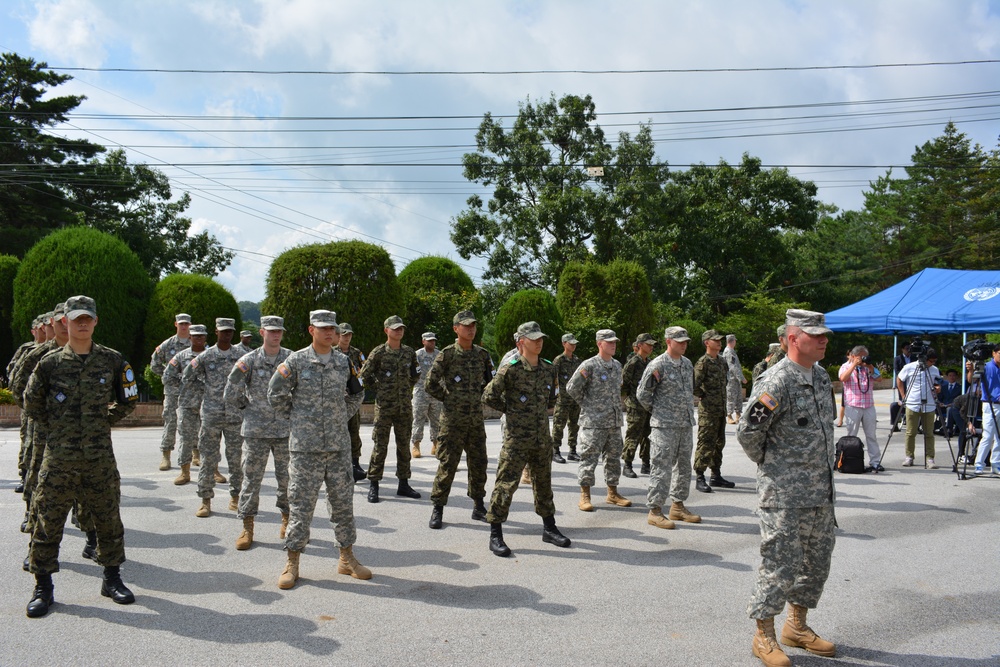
x,y
398,89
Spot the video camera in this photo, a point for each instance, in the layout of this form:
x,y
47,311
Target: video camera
x,y
919,348
977,350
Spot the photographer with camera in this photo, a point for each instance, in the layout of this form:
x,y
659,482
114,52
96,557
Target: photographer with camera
x,y
859,376
989,445
918,382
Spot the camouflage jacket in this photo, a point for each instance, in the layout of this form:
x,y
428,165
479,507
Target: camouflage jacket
x,y
165,351
425,361
457,379
206,377
524,393
173,380
565,367
23,349
596,386
666,390
733,364
391,374
710,378
631,374
246,394
24,367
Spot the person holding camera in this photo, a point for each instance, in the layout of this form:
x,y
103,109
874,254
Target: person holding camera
x,y
991,404
918,382
859,376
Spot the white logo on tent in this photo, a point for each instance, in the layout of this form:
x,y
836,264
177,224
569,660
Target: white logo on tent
x,y
981,293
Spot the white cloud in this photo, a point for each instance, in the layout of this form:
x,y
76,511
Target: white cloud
x,y
74,31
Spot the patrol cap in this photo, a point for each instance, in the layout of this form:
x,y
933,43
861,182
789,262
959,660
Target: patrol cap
x,y
773,348
531,331
393,322
464,317
676,333
605,334
271,323
322,318
645,338
345,328
198,330
80,305
569,338
428,335
182,317
711,334
35,323
810,321
224,323
245,333
59,310
47,317
781,330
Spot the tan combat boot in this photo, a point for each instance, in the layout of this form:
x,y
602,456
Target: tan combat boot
x,y
526,476
284,526
797,633
585,503
415,450
765,646
614,498
434,448
206,508
234,503
196,457
245,539
348,564
185,475
291,572
680,513
165,461
656,518
219,477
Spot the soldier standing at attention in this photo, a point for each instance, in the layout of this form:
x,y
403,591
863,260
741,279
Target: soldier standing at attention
x,y
162,355
246,340
787,430
457,379
710,374
207,374
524,389
188,401
264,431
597,388
317,390
567,410
636,416
357,358
425,408
76,393
734,381
391,371
666,390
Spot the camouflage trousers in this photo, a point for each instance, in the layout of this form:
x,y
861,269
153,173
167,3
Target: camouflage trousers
x,y
188,426
566,412
796,546
453,439
209,442
425,409
636,436
354,430
734,397
510,463
400,420
593,443
22,458
711,440
255,454
307,471
669,466
88,476
169,422
83,516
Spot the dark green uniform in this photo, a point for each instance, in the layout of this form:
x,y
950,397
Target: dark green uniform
x,y
567,410
636,417
391,374
357,358
710,387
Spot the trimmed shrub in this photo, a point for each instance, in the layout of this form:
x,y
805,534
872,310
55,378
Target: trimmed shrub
x,y
435,288
8,270
525,306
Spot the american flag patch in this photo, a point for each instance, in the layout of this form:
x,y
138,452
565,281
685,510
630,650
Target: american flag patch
x,y
242,365
768,401
284,371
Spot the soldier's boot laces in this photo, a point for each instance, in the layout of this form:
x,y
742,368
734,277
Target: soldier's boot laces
x,y
680,513
551,534
284,525
219,477
196,457
766,647
165,461
701,485
42,598
205,509
797,633
615,498
113,587
185,475
656,518
291,572
245,539
497,545
348,564
479,510
585,503
234,503
90,548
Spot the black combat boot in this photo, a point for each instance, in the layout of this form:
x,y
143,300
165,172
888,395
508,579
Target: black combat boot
x,y
627,470
20,481
359,472
90,549
24,524
572,456
701,484
437,516
113,588
479,510
42,598
497,545
551,534
645,468
404,489
718,480
557,457
373,492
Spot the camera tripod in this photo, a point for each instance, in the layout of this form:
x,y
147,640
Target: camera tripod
x,y
970,419
925,375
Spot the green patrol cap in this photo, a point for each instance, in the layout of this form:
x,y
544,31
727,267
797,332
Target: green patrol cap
x,y
80,305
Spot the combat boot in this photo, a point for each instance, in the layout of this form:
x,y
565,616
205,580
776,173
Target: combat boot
x,y
113,587
656,518
437,518
614,498
245,539
526,476
572,456
42,598
701,484
645,468
557,457
797,633
284,525
291,572
21,476
373,492
165,461
718,480
680,513
205,510
90,548
219,477
551,534
585,503
234,503
765,646
196,457
185,475
479,510
497,545
359,472
348,564
627,470
415,450
434,447
404,489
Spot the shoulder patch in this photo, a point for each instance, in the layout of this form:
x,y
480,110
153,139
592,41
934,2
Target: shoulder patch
x,y
583,372
513,361
763,409
242,365
194,362
173,361
283,370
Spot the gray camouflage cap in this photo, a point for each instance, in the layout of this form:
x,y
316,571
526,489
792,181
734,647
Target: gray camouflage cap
x,y
570,338
676,333
810,321
428,335
224,323
322,318
393,322
80,305
198,330
272,323
47,317
182,317
605,334
531,331
781,329
59,310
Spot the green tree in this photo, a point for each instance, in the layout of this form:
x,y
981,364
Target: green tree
x,y
531,305
250,311
754,320
8,270
356,280
435,288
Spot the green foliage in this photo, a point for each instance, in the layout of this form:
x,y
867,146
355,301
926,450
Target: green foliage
x,y
6,397
435,288
199,296
356,280
754,320
532,305
250,312
153,382
695,329
78,260
8,269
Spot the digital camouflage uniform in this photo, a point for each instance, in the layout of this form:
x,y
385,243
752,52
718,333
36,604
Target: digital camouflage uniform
x,y
710,386
357,358
11,371
206,377
567,411
313,394
76,401
457,379
637,427
391,374
188,404
425,408
596,387
30,457
787,430
264,431
666,389
162,355
734,381
524,394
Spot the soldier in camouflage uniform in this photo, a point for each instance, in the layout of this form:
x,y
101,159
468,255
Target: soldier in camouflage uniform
x,y
391,371
162,355
76,393
206,377
425,408
457,379
567,410
787,430
666,390
524,389
596,386
710,374
734,381
264,431
38,338
246,340
761,366
357,358
188,400
636,416
317,390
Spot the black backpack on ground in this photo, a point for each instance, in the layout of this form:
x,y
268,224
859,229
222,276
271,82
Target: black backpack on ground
x,y
850,455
